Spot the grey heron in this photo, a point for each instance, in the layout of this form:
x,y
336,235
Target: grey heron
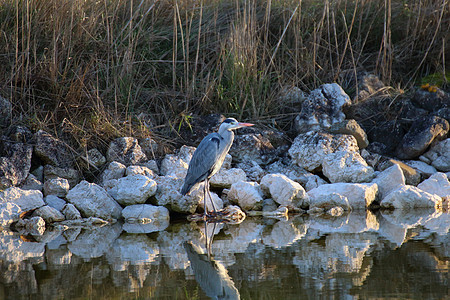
x,y
209,156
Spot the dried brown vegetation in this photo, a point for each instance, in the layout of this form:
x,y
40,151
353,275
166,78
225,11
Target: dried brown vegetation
x,y
89,68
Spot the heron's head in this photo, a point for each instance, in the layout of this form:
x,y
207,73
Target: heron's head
x,y
232,123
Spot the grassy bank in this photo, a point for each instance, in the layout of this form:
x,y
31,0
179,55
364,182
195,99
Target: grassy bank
x,y
88,69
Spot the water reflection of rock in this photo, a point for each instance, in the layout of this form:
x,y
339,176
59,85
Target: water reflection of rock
x,y
324,256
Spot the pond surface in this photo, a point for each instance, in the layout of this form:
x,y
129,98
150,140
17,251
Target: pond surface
x,y
360,255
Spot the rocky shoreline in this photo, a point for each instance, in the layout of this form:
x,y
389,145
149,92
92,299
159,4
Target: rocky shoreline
x,y
332,166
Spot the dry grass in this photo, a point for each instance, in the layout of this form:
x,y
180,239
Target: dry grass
x,y
89,68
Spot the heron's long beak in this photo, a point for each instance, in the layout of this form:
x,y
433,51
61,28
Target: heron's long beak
x,y
245,124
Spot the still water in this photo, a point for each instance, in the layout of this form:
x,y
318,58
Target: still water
x,y
361,255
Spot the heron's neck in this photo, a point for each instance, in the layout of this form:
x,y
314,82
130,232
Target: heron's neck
x,y
227,135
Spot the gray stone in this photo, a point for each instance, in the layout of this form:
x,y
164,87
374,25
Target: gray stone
x,y
129,190
93,201
55,202
150,147
15,163
439,155
125,150
56,186
322,108
359,195
49,214
32,183
9,213
145,213
252,169
390,179
52,150
115,170
140,170
25,199
71,212
93,159
309,149
351,127
412,177
284,191
437,184
424,169
225,178
248,195
72,175
346,166
410,197
253,147
168,194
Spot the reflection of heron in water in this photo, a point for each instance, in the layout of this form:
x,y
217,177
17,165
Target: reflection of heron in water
x,y
211,275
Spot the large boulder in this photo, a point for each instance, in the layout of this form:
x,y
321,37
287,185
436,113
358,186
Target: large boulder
x,y
248,195
15,163
423,168
25,199
125,150
359,195
174,166
322,108
412,176
439,155
93,201
252,169
309,149
55,202
346,166
52,150
284,191
410,197
437,184
140,170
390,179
129,190
168,195
420,136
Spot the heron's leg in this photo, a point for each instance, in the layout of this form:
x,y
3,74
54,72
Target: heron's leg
x,y
209,194
204,199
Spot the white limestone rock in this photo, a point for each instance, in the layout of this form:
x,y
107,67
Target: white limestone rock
x,y
437,184
343,166
296,173
410,197
49,214
125,150
152,165
329,202
9,213
218,202
93,201
129,190
359,195
390,179
224,178
55,202
174,166
25,199
115,170
284,191
248,195
140,170
56,186
168,194
309,149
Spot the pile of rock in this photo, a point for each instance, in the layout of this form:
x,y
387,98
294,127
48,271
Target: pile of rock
x,y
330,167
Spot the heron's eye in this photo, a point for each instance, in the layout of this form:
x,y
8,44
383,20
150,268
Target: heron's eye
x,y
233,123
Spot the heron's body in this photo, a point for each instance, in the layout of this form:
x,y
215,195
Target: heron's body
x,y
210,154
